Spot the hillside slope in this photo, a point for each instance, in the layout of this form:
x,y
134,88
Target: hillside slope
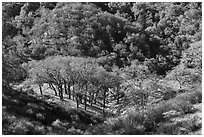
x,y
28,113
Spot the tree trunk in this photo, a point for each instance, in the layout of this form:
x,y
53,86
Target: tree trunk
x,y
77,101
91,99
65,87
60,91
73,96
104,100
95,98
80,96
85,97
69,91
117,96
40,87
73,92
180,85
53,88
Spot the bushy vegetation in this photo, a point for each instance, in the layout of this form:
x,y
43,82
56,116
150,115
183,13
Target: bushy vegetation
x,y
155,119
137,64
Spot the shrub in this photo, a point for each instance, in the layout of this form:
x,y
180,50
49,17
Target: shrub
x,y
115,123
182,106
133,123
186,77
192,97
179,126
168,94
193,124
192,57
130,123
171,114
155,113
166,128
101,129
197,93
21,127
73,131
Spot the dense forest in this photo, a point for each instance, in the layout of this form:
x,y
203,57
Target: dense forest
x,y
106,68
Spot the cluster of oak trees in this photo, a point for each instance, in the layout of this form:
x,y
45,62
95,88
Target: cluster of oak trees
x,y
79,78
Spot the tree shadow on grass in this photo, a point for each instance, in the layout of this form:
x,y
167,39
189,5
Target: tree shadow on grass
x,y
28,106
